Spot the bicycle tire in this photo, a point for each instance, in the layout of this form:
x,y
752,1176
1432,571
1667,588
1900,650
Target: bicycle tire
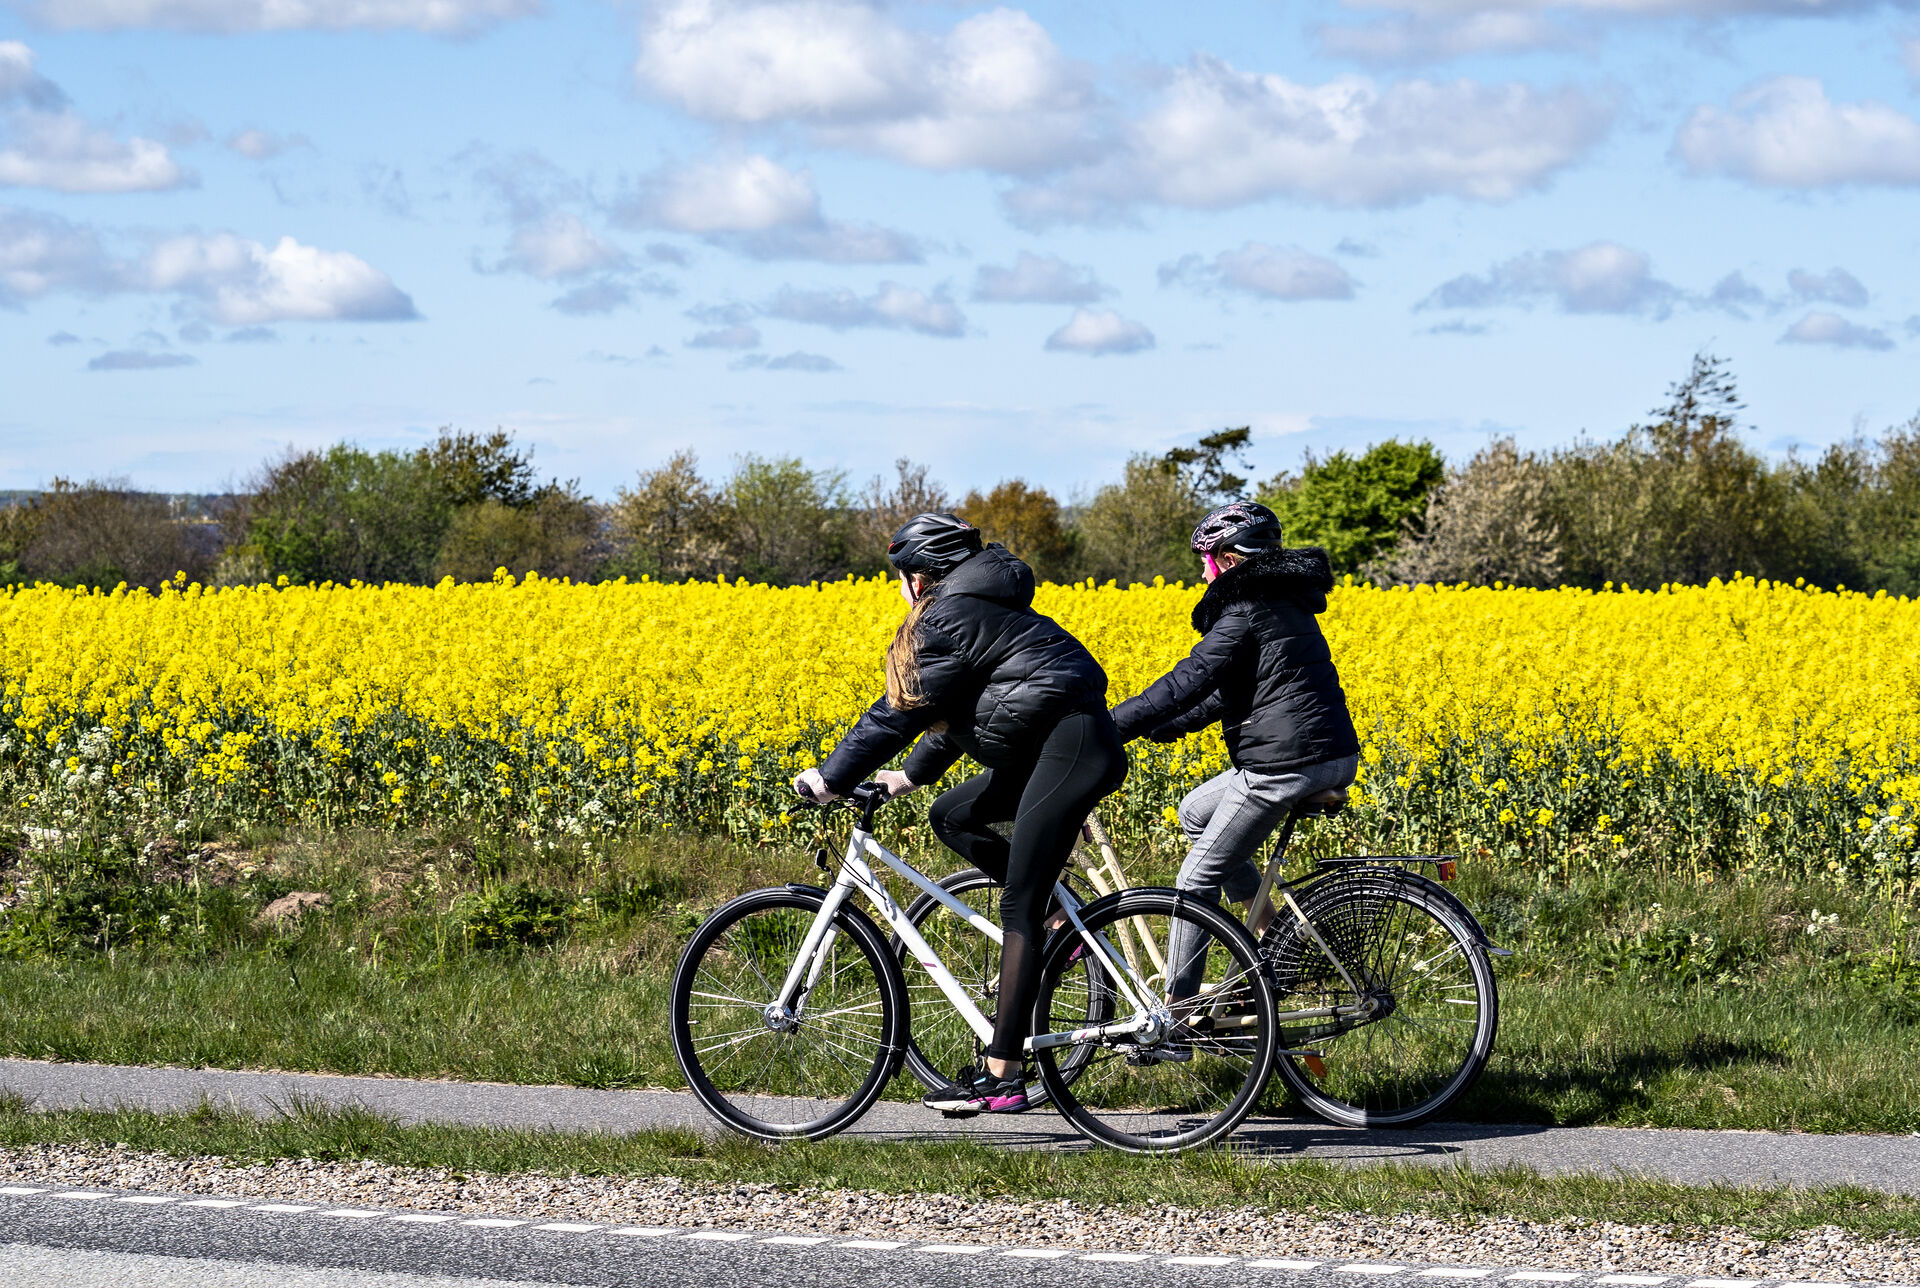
x,y
1416,958
1170,1105
937,1038
865,994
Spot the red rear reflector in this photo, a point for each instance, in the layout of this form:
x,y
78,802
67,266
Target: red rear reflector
x,y
1446,869
1315,1065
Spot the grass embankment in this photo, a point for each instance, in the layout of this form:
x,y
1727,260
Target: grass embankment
x,y
1637,997
1208,1180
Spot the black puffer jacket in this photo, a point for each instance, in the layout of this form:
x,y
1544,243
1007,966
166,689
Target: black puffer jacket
x,y
998,674
1261,668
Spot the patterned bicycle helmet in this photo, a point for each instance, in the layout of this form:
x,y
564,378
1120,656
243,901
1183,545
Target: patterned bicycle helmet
x,y
1245,527
934,544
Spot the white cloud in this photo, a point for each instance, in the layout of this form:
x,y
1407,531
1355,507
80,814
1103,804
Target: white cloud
x,y
1427,38
892,306
798,360
243,283
1652,9
221,277
1735,294
1037,279
1910,54
259,145
737,336
1100,331
1272,272
756,207
1835,286
1604,277
44,143
557,246
1832,329
745,194
139,360
592,298
1786,133
42,253
1221,137
993,92
439,16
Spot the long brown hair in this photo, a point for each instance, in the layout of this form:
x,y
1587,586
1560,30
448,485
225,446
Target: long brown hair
x,y
903,658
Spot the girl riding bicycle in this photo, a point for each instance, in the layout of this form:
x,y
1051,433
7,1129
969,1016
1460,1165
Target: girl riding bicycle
x,y
974,670
1264,671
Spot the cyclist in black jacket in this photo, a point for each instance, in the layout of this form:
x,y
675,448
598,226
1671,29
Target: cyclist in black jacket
x,y
1263,670
974,670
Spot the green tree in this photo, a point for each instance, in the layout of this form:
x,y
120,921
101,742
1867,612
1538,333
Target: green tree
x,y
1139,528
1357,507
1027,521
553,534
99,533
1679,499
788,525
1205,465
671,525
883,507
1486,523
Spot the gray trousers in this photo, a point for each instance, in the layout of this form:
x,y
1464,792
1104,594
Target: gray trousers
x,y
1226,820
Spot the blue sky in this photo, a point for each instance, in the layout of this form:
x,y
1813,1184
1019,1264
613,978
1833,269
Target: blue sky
x,y
1003,241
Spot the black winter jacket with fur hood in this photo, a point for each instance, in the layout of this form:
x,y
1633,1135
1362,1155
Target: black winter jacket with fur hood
x,y
1261,668
998,676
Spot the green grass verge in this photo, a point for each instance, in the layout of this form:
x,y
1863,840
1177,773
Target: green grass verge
x,y
1213,1179
1637,998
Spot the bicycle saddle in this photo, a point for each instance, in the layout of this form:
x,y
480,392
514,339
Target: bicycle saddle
x,y
1323,804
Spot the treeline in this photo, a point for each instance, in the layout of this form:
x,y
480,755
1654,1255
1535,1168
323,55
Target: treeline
x,y
1680,498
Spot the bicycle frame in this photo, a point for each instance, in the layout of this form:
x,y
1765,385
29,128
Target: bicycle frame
x,y
856,875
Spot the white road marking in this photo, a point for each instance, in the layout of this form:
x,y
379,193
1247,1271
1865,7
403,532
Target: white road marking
x,y
492,1222
567,1227
1370,1268
720,1236
361,1214
215,1203
1632,1279
875,1245
82,1194
799,1240
1115,1256
955,1249
1198,1261
1454,1272
1725,1283
280,1207
144,1200
1036,1254
1545,1276
424,1218
19,1189
642,1231
1279,1263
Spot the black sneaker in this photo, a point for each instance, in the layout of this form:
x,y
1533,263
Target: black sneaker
x,y
977,1091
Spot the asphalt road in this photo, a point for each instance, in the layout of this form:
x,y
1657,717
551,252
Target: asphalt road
x,y
109,1239
1887,1163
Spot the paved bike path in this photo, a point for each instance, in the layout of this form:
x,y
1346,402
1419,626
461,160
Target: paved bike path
x,y
1887,1163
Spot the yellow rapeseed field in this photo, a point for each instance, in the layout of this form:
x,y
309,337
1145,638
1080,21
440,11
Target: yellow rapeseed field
x,y
1724,725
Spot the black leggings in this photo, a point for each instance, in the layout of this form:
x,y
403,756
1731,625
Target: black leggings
x,y
1047,798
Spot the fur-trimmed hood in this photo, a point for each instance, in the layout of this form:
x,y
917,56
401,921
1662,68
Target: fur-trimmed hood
x,y
1303,574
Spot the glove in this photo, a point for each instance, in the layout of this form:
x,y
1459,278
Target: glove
x,y
896,783
1165,734
812,786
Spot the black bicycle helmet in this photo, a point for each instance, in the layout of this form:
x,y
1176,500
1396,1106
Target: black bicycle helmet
x,y
1245,527
934,544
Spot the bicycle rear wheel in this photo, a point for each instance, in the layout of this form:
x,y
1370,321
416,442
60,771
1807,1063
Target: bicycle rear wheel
x,y
1418,1032
1156,1094
775,1075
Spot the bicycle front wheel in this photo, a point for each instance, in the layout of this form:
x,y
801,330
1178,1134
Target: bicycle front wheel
x,y
1158,1092
806,1070
1413,1015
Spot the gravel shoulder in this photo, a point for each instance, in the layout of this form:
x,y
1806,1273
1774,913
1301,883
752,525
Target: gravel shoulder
x,y
1822,1254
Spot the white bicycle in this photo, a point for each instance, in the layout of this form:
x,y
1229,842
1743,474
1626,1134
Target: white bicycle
x,y
791,1012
